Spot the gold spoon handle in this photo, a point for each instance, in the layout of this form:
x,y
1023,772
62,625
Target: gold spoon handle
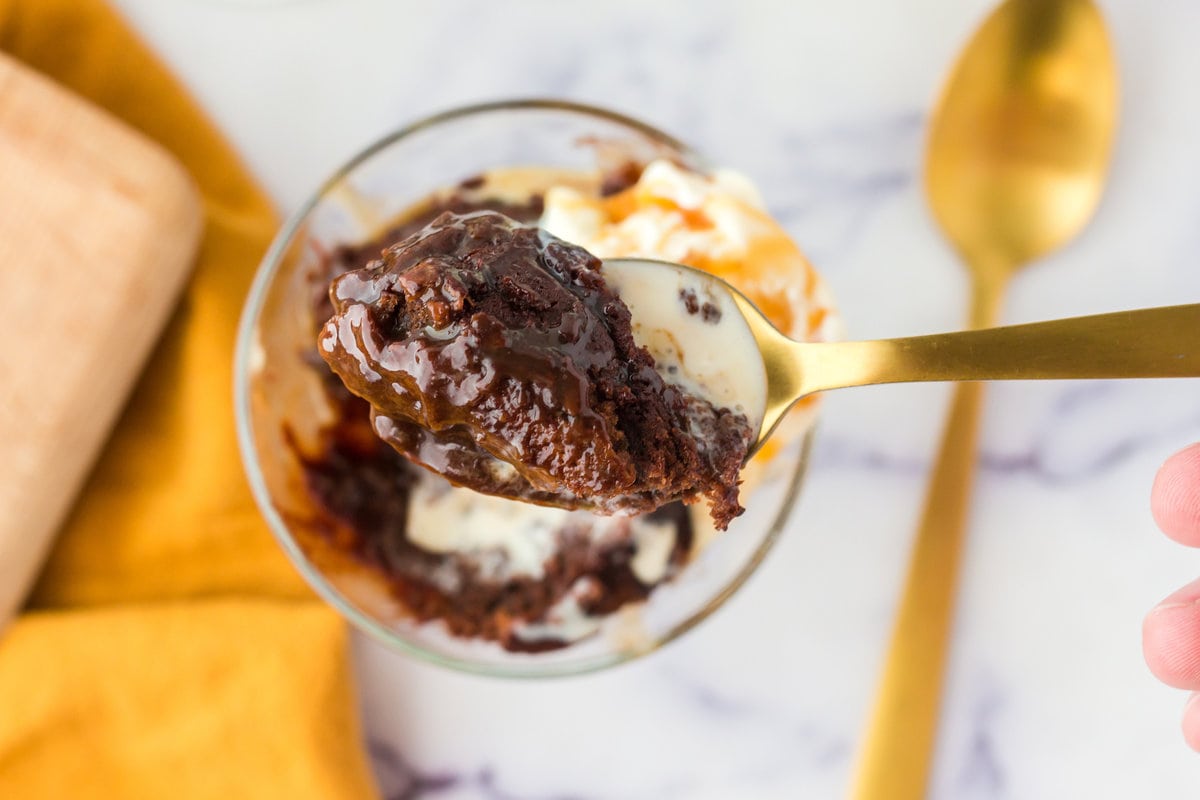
x,y
895,760
1148,343
898,746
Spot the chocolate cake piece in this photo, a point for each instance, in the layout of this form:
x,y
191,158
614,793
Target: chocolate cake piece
x,y
494,354
362,494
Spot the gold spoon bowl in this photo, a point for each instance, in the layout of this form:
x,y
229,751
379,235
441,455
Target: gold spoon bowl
x,y
1015,165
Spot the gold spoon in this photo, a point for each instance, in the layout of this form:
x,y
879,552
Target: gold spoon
x,y
767,372
1016,162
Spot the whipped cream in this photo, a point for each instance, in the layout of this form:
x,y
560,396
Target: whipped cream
x,y
507,539
712,222
669,214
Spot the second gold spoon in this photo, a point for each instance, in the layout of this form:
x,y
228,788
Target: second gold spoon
x,y
1016,161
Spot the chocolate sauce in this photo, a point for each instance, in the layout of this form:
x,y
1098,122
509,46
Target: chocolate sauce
x,y
361,491
495,355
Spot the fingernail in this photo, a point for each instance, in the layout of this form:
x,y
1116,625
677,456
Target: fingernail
x,y
1165,606
1186,596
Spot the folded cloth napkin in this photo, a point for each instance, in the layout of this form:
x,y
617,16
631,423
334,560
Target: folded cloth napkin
x,y
179,700
170,650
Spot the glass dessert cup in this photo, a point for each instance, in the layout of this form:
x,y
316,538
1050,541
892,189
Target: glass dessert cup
x,y
281,405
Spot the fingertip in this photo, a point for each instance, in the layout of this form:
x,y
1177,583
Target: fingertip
x,y
1175,496
1171,639
1191,722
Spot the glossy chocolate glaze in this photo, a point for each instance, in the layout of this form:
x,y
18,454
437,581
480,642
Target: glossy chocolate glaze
x,y
494,354
362,489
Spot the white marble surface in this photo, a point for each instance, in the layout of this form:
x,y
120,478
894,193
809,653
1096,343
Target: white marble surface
x,y
824,105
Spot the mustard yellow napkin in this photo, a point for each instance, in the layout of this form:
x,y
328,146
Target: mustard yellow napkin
x,y
173,651
179,701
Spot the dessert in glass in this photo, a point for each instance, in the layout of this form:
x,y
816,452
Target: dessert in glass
x,y
361,501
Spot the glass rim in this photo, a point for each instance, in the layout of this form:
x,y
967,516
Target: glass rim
x,y
252,308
